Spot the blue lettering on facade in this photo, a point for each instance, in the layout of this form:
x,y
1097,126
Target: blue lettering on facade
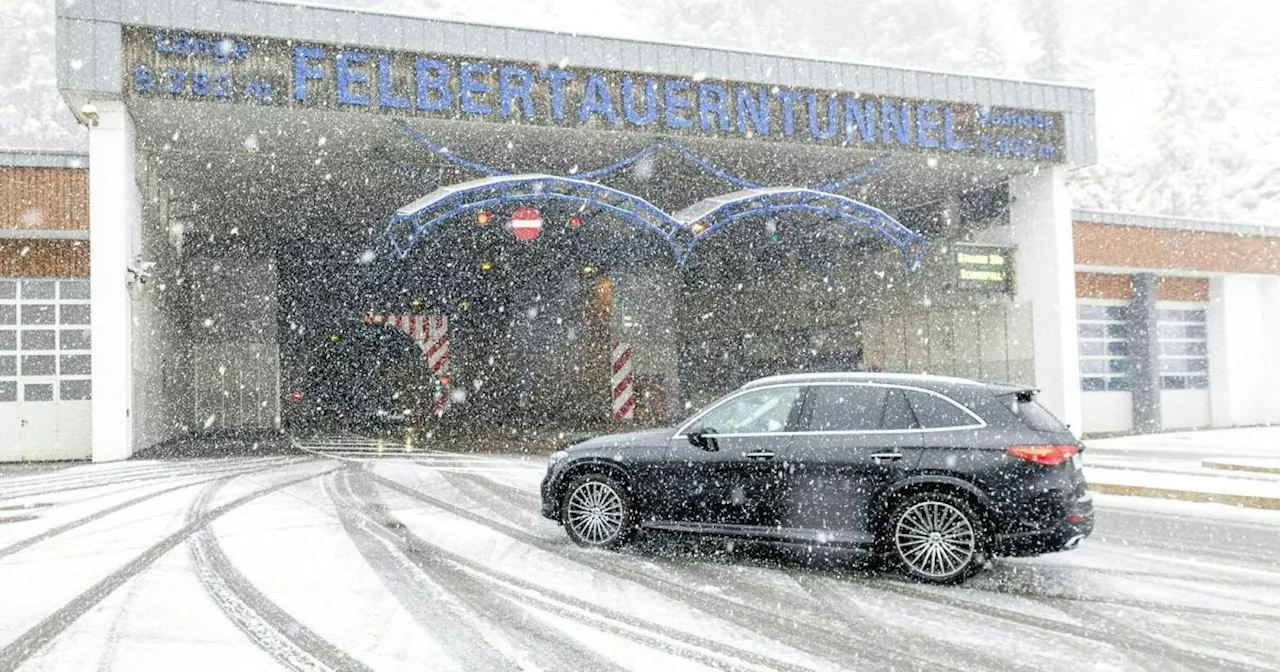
x,y
895,123
713,100
860,115
348,72
303,71
788,98
434,92
949,131
753,111
926,124
385,97
557,79
596,100
675,97
182,44
471,90
650,102
818,131
514,83
183,67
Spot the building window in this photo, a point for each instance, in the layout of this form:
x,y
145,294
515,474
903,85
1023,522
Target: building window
x,y
44,340
1184,347
1104,346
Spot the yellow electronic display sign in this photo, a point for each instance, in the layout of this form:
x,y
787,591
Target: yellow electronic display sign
x,y
984,267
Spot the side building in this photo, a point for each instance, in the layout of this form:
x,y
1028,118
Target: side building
x,y
1178,322
45,336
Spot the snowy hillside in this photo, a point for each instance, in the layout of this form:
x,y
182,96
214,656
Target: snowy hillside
x,y
1185,94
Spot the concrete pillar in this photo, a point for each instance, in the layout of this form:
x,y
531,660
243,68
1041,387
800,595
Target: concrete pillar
x,y
114,213
1040,217
1144,354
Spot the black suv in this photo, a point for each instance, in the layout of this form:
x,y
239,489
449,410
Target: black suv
x,y
933,474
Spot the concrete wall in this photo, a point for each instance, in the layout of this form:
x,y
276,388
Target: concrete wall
x,y
1244,362
1106,412
235,352
643,314
1185,409
161,380
921,322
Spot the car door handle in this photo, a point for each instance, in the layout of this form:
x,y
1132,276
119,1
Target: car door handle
x,y
759,455
882,457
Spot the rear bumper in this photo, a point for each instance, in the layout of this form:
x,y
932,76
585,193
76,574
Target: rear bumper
x,y
1061,538
1060,527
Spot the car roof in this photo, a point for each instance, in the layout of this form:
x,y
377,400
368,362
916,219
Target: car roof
x,y
919,379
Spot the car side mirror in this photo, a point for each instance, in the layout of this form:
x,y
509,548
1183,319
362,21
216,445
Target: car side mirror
x,y
703,441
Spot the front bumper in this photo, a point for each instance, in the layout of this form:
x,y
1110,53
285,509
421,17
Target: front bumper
x,y
550,505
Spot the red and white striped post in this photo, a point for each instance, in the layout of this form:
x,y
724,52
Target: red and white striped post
x,y
623,402
437,351
431,334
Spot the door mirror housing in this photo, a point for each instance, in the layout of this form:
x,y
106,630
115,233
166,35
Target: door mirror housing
x,y
702,441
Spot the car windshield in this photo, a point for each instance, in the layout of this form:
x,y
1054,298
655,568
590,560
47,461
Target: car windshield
x,y
472,335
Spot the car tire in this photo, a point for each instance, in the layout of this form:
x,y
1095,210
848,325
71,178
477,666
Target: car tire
x,y
596,511
934,537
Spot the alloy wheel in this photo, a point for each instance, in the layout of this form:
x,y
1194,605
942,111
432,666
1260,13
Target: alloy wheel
x,y
595,512
935,539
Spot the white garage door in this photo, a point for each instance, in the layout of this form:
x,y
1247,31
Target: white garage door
x,y
44,369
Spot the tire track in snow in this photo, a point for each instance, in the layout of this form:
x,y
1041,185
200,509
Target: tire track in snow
x,y
1113,637
269,627
1171,645
865,631
136,476
814,637
78,522
1124,638
521,642
15,653
485,581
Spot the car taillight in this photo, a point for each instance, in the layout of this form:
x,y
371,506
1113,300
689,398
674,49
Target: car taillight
x,y
1046,455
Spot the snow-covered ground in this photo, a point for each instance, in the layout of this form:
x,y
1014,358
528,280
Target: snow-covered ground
x,y
1243,464
442,561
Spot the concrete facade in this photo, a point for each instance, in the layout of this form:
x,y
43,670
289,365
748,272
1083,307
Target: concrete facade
x,y
216,348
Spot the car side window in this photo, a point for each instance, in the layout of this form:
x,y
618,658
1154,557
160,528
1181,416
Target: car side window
x,y
846,408
759,411
935,412
897,412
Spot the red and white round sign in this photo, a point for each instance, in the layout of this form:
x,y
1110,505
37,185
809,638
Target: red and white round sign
x,y
526,223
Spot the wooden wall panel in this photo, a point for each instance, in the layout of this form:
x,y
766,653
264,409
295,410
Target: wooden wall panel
x,y
1171,249
1170,288
44,258
44,198
1117,286
1103,286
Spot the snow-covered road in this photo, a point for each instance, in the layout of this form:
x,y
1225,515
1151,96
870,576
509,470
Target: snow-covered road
x,y
442,562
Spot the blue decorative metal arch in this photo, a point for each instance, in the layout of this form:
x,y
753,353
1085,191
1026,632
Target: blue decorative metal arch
x,y
708,216
409,223
702,219
657,144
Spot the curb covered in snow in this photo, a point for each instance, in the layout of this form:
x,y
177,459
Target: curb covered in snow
x,y
1249,501
1256,466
